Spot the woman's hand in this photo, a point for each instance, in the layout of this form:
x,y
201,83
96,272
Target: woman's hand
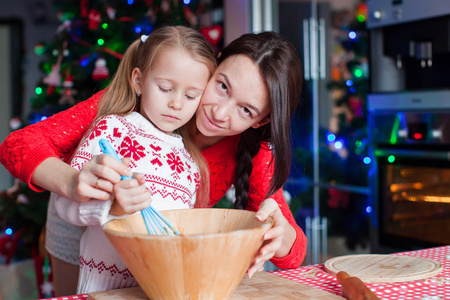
x,y
130,196
97,178
278,240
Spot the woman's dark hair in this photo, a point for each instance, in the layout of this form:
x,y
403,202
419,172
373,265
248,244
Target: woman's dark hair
x,y
281,68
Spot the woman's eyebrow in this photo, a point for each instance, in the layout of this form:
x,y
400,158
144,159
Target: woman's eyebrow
x,y
248,105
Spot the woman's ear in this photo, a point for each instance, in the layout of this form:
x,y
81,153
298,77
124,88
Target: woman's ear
x,y
136,78
263,122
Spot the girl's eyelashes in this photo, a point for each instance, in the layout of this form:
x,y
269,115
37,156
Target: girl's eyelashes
x,y
164,90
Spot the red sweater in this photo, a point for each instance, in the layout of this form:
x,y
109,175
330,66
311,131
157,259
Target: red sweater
x,y
23,150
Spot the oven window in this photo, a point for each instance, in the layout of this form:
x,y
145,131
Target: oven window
x,y
416,203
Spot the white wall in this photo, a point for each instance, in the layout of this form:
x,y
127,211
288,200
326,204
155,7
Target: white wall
x,y
39,24
5,97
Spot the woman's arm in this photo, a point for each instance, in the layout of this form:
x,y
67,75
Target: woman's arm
x,y
221,159
56,137
292,248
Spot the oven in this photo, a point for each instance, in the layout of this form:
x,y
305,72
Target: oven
x,y
409,123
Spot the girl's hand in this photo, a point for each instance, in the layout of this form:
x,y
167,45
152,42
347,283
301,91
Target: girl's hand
x,y
97,178
130,196
278,240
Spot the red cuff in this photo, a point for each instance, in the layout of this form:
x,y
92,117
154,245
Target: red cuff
x,y
298,251
30,163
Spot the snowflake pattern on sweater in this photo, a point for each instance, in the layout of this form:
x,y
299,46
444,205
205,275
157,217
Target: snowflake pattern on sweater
x,y
166,165
171,176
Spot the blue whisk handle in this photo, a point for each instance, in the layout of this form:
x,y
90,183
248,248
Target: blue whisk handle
x,y
152,217
108,149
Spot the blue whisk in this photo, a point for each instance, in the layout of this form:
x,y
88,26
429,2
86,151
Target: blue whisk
x,y
155,222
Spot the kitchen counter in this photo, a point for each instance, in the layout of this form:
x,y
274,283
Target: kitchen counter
x,y
434,288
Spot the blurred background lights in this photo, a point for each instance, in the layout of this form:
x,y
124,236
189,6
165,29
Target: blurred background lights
x,y
367,160
391,158
84,62
331,137
352,35
349,82
8,231
358,72
368,209
338,145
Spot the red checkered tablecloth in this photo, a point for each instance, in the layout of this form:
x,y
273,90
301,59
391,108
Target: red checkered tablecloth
x,y
434,288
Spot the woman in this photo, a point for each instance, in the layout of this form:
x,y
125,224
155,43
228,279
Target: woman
x,y
248,103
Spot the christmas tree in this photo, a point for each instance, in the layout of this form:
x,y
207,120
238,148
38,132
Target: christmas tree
x,y
347,136
89,44
77,62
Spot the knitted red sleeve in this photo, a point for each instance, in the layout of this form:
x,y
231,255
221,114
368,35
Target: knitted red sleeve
x,y
221,158
23,150
259,185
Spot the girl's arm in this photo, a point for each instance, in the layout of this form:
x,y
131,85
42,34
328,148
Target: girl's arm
x,y
130,193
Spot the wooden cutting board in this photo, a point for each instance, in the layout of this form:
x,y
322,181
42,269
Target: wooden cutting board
x,y
384,268
262,286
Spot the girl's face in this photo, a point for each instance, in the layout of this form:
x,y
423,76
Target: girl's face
x,y
235,99
171,89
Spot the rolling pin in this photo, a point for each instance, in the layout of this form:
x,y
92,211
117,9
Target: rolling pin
x,y
353,288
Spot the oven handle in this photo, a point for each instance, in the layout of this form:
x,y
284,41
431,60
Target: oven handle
x,y
442,155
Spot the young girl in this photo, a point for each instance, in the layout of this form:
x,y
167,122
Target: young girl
x,y
155,92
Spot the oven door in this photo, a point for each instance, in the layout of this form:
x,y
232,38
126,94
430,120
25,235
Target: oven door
x,y
414,198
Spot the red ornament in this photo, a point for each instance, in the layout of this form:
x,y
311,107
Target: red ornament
x,y
94,19
84,8
212,34
67,92
100,71
190,17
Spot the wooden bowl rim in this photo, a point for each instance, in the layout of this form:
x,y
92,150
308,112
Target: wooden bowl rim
x,y
264,226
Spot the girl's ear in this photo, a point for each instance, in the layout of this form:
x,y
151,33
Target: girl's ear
x,y
263,122
136,78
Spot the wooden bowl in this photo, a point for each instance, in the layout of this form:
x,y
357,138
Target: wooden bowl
x,y
207,261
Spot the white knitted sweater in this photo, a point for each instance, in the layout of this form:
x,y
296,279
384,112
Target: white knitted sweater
x,y
171,176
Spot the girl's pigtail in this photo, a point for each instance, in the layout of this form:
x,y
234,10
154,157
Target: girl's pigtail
x,y
120,97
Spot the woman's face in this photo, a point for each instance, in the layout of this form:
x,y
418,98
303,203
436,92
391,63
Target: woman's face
x,y
235,99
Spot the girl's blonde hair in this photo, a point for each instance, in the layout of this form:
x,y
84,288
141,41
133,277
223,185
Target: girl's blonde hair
x,y
121,99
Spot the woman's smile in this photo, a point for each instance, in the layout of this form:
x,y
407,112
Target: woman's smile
x,y
210,122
